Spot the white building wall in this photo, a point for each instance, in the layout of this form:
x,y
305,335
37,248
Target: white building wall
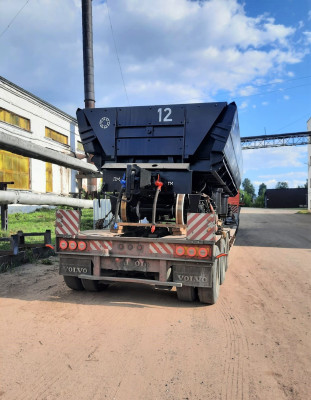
x,y
309,166
37,176
41,115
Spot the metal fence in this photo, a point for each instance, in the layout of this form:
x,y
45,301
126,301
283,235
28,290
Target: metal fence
x,y
101,211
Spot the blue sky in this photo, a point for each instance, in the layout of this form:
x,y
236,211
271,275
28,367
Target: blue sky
x,y
256,53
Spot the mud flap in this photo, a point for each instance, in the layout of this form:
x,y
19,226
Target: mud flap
x,y
75,266
193,276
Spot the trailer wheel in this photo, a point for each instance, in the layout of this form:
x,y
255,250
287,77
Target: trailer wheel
x,y
186,293
210,295
91,286
73,282
222,261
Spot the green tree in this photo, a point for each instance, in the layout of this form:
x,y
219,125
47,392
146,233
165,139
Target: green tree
x,y
305,186
262,189
246,198
260,201
281,185
248,188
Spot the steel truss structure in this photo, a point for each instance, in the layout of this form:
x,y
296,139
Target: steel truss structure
x,y
283,139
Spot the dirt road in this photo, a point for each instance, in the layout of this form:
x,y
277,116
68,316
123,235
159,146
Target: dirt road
x,y
135,342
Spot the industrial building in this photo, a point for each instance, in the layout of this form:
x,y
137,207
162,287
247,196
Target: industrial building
x,y
30,118
286,198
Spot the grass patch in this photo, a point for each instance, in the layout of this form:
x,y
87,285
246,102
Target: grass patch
x,y
39,221
304,212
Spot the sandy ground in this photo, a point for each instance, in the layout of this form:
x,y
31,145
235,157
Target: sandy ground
x,y
136,342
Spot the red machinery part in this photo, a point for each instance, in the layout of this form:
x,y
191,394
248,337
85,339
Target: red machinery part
x,y
158,183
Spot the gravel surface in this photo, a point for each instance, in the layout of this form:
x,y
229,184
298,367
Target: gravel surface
x,y
134,342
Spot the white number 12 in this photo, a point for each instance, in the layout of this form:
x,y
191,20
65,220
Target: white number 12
x,y
166,118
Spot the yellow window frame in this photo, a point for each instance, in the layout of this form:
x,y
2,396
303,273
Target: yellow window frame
x,y
15,168
49,177
58,137
14,119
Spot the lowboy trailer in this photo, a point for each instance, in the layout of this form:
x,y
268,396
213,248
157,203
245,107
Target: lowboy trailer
x,y
172,174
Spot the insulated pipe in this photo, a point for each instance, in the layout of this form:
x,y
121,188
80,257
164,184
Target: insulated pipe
x,y
88,61
26,148
18,197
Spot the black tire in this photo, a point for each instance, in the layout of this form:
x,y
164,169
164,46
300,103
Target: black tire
x,y
186,293
73,282
222,261
210,295
91,286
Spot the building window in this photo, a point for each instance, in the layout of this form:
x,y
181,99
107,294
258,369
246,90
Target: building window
x,y
58,137
80,147
14,119
14,168
48,177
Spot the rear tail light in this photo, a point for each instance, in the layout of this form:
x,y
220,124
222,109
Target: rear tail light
x,y
63,244
203,252
191,251
180,251
81,246
72,245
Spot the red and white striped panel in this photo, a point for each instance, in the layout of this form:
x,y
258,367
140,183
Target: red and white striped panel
x,y
161,248
67,222
201,226
99,245
234,209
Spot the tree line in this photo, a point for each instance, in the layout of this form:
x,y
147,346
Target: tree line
x,y
249,197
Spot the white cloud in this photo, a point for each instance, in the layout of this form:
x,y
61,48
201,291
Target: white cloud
x,y
286,97
265,103
269,162
243,105
285,175
275,157
307,36
271,181
170,50
300,24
